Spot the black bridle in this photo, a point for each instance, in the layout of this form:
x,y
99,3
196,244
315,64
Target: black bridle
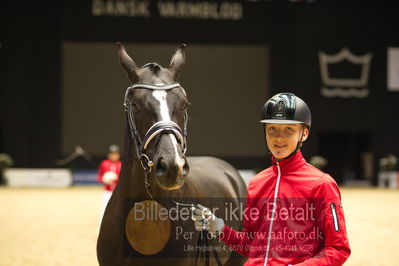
x,y
157,129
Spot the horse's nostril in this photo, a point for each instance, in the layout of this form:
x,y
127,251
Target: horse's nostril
x,y
186,168
161,166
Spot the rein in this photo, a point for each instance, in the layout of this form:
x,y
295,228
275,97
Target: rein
x,y
157,129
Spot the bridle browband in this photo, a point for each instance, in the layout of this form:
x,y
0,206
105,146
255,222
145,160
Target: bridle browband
x,y
157,129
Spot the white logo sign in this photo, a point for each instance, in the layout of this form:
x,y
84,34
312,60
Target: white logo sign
x,y
393,68
344,87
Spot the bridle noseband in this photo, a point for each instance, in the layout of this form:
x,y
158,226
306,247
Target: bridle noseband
x,y
156,129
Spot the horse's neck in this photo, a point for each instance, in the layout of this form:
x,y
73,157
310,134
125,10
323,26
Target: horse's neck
x,y
132,181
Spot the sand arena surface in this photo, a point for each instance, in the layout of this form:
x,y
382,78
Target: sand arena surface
x,y
60,226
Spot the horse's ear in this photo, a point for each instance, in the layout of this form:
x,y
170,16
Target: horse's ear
x,y
128,64
178,60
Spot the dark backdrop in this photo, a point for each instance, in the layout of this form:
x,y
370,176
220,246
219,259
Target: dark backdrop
x,y
32,33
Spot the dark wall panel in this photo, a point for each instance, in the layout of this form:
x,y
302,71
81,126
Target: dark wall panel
x,y
32,34
224,116
30,76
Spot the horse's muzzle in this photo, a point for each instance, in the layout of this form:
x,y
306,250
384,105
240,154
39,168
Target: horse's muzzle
x,y
170,174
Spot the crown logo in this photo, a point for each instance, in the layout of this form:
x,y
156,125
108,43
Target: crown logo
x,y
345,87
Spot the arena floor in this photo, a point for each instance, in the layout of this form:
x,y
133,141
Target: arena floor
x,y
59,226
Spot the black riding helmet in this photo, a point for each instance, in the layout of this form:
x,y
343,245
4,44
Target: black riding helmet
x,y
286,108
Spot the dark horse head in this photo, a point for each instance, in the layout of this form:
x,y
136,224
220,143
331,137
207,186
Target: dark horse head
x,y
157,114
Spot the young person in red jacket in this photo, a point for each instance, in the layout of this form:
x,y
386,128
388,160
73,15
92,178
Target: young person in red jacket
x,y
108,173
293,214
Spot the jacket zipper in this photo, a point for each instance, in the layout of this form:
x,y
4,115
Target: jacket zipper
x,y
273,212
334,216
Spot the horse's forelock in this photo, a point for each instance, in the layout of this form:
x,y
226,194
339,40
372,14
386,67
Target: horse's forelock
x,y
154,67
153,73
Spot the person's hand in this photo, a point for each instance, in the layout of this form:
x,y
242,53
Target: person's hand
x,y
204,219
109,177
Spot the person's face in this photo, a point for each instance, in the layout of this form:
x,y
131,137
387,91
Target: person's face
x,y
114,156
282,139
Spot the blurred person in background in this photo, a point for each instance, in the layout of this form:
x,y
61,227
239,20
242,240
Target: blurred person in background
x,y
108,173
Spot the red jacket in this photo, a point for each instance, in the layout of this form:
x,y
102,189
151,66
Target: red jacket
x,y
108,165
293,216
